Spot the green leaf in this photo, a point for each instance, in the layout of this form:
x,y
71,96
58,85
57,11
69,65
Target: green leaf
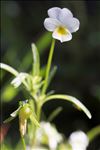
x,y
54,113
34,120
5,145
70,99
8,93
36,61
93,133
52,73
8,119
9,69
13,115
43,42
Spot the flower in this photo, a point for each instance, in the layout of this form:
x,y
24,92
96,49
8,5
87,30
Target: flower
x,y
78,140
62,23
48,135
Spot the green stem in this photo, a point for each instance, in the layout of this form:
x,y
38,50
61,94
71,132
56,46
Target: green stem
x,y
23,142
38,112
48,66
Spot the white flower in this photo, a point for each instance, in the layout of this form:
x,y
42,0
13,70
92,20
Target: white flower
x,y
62,23
35,148
16,82
49,134
78,140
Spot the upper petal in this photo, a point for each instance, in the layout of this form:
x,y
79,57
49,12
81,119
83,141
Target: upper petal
x,y
74,25
65,13
50,24
71,23
54,12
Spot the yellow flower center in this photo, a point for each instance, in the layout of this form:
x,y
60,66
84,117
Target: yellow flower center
x,y
62,30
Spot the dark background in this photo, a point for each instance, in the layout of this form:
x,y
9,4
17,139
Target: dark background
x,y
78,60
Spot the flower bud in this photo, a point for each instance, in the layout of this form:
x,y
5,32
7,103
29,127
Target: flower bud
x,y
25,112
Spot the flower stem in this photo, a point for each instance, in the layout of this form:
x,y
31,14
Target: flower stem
x,y
38,112
48,66
23,142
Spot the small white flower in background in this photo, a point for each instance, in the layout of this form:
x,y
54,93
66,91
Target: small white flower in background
x,y
16,82
35,148
62,23
78,140
48,134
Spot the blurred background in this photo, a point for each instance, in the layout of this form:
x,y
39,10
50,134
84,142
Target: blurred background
x,y
78,61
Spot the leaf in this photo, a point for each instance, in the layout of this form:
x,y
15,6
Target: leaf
x,y
8,119
43,42
36,61
12,115
52,73
93,133
54,113
8,93
70,99
9,69
15,113
34,120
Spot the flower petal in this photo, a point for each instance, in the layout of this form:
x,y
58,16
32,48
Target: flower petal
x,y
54,12
62,37
50,24
65,13
71,23
78,140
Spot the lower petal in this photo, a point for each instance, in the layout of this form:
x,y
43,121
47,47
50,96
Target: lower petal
x,y
67,36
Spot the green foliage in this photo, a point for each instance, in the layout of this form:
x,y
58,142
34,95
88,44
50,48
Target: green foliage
x,y
70,99
78,69
93,132
36,59
8,93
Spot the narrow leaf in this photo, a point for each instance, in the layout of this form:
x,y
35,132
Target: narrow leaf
x,y
93,133
52,73
70,99
54,113
15,113
8,119
43,42
9,69
36,61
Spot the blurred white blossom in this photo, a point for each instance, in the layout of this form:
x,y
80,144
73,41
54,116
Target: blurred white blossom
x,y
35,148
62,23
78,140
47,134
